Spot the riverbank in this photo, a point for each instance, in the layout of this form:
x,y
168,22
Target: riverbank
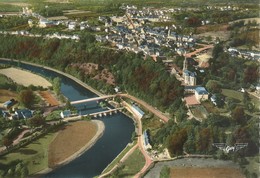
x,y
60,72
100,130
25,78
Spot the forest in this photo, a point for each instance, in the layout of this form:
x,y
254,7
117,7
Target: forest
x,y
145,79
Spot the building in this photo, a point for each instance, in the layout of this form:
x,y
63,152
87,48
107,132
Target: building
x,y
147,144
189,78
43,23
201,94
137,111
72,25
64,114
23,114
9,104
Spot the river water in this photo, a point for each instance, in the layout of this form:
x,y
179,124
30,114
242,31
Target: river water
x,y
117,133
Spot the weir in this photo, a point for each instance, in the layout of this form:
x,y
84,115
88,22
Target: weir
x,y
105,113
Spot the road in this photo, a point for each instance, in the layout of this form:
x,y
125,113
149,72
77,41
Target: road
x,y
148,159
199,50
17,140
147,106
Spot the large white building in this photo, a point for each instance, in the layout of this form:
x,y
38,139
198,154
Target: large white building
x,y
189,78
201,94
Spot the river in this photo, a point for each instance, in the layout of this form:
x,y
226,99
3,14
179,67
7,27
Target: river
x,y
117,133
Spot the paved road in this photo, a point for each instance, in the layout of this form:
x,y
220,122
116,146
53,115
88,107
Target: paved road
x,y
199,50
147,106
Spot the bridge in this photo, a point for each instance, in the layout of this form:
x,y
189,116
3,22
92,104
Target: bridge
x,y
105,113
92,99
96,114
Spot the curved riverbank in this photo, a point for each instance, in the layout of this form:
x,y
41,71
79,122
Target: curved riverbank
x,y
91,162
60,72
100,130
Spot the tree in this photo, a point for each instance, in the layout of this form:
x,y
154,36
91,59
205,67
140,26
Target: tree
x,y
57,85
176,142
238,114
217,50
26,97
213,86
251,74
205,140
36,121
7,141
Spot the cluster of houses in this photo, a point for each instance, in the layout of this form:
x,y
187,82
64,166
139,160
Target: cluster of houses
x,y
18,113
252,55
132,32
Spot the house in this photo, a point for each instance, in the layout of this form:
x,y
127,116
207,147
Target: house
x,y
147,144
201,94
213,99
72,25
23,114
45,23
9,104
65,113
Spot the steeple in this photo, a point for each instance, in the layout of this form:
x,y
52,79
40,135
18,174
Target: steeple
x,y
185,63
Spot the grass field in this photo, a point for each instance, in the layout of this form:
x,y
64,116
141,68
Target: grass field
x,y
213,109
254,165
180,172
35,155
238,95
70,140
132,165
199,111
118,158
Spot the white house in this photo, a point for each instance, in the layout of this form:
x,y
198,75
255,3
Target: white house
x,y
72,26
201,94
64,114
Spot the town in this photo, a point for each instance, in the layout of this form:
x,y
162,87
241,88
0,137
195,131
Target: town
x,y
187,76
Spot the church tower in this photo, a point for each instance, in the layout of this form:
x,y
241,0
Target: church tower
x,y
185,64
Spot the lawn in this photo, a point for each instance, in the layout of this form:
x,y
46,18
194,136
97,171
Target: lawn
x,y
233,94
118,158
132,165
153,124
253,165
199,111
211,108
238,95
35,155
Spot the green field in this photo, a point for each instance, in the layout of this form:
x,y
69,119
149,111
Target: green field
x,y
239,96
132,165
118,158
253,165
35,155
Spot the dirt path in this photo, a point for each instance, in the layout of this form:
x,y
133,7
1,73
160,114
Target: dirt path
x,y
16,141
